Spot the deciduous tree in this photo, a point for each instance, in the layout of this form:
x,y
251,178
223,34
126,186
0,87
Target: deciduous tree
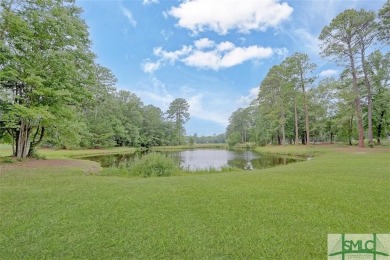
x,y
47,67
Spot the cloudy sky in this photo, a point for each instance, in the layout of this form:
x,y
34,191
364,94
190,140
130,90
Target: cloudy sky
x,y
213,53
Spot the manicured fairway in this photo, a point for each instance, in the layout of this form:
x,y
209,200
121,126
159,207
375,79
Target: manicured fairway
x,y
279,213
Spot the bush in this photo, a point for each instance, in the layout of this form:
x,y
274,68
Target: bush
x,y
6,160
154,164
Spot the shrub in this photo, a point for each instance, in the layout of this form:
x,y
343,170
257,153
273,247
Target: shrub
x,y
154,164
6,160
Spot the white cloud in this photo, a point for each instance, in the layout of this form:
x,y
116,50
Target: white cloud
x,y
197,105
208,55
328,73
204,43
171,56
129,16
224,15
239,55
281,51
201,59
246,100
150,67
148,2
225,46
216,59
155,93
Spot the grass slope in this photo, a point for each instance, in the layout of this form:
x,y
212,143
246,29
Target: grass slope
x,y
278,213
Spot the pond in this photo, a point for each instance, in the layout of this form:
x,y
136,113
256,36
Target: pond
x,y
203,159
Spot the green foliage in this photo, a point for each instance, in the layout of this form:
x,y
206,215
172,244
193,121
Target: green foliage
x,y
179,115
153,129
233,139
210,170
191,141
379,74
240,123
53,91
6,160
153,164
347,36
384,23
48,65
34,154
294,107
214,139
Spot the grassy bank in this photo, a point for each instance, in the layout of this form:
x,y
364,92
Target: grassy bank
x,y
6,150
277,213
293,150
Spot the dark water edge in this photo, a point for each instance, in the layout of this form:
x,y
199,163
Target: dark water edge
x,y
202,159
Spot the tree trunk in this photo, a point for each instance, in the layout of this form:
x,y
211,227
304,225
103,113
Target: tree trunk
x,y
307,126
296,123
350,131
331,132
283,128
12,134
34,143
22,140
379,131
358,108
369,99
13,146
306,110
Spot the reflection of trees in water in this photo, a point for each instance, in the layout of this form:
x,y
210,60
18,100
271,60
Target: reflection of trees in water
x,y
263,162
107,161
259,163
176,158
116,160
237,163
246,162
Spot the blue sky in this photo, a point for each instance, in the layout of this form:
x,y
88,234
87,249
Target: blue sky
x,y
213,53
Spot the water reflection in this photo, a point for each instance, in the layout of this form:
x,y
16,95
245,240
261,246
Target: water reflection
x,y
114,160
252,161
203,159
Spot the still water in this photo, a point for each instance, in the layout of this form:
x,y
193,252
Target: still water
x,y
204,159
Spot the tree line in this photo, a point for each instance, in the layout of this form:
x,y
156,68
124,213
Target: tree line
x,y
294,106
211,139
54,93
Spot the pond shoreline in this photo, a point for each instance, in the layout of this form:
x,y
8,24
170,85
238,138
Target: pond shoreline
x,y
199,159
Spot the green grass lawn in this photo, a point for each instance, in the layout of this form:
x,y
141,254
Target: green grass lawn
x,y
284,212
